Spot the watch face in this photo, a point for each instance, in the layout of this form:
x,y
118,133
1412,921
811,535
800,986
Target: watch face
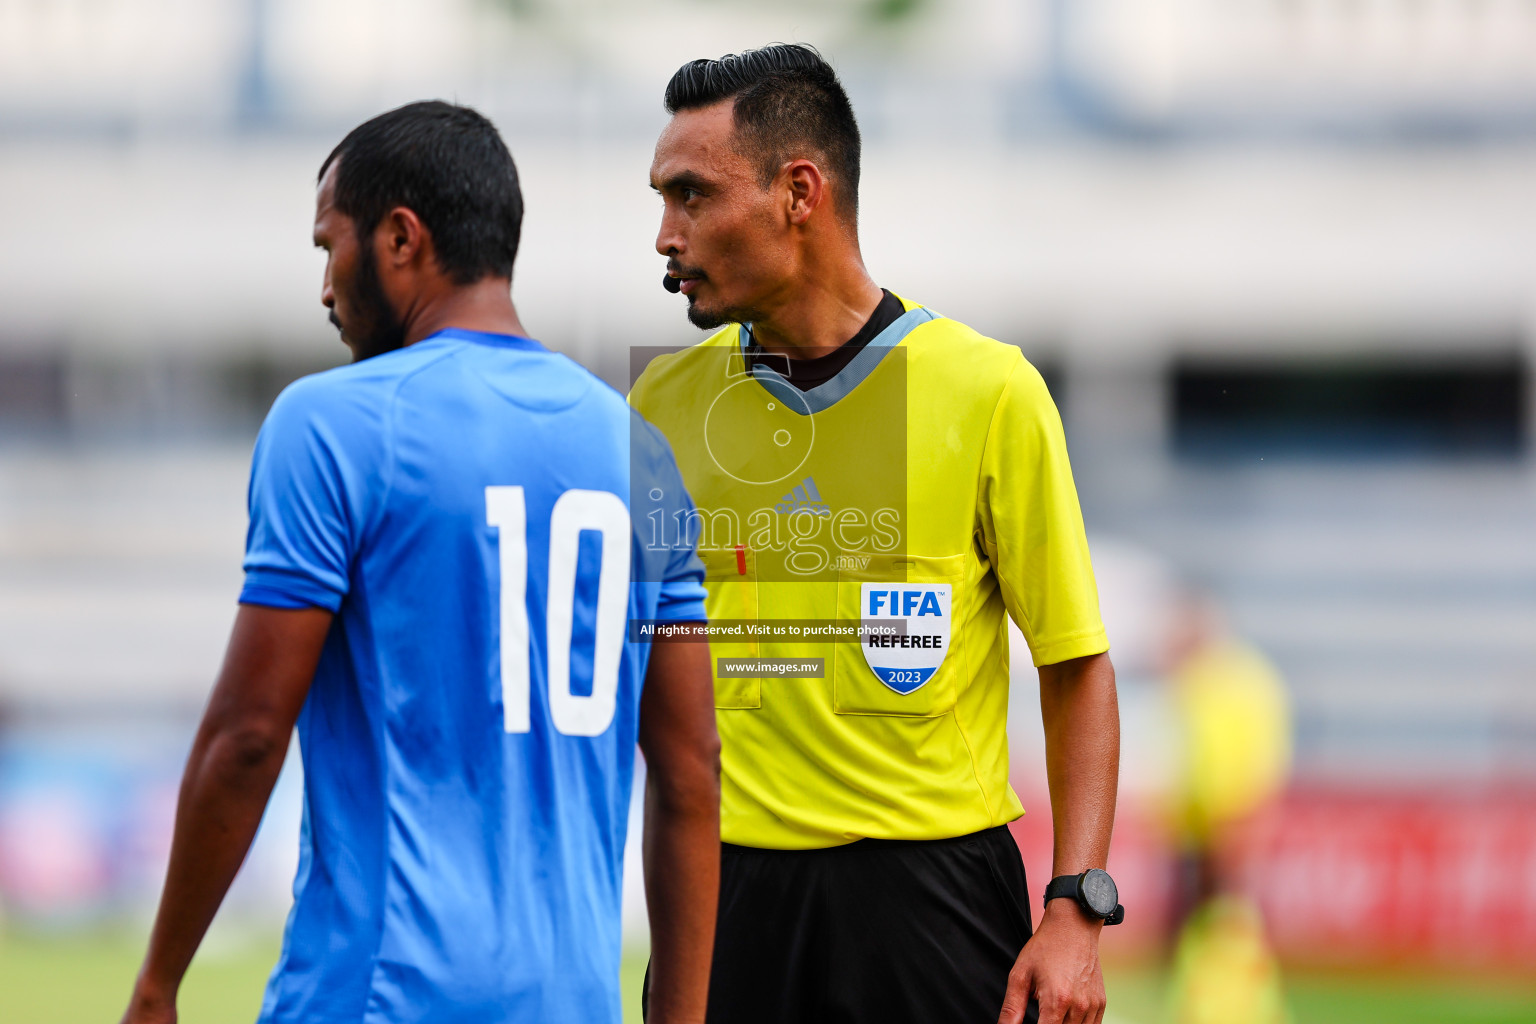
x,y
1099,892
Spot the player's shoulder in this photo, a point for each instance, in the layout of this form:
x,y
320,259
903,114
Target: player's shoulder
x,y
550,387
529,376
586,390
650,452
565,384
343,407
352,382
319,396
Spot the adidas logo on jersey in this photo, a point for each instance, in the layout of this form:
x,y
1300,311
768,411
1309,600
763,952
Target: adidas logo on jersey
x,y
804,498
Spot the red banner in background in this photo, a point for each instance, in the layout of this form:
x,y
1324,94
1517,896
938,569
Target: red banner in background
x,y
1397,878
1350,878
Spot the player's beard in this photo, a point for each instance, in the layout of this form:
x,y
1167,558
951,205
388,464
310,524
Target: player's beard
x,y
377,328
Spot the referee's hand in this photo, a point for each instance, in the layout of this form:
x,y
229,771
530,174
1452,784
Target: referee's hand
x,y
1059,968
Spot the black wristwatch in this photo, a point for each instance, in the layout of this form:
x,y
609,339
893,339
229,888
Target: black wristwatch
x,y
1093,890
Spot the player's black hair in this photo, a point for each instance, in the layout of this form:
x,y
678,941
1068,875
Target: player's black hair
x,y
450,167
787,98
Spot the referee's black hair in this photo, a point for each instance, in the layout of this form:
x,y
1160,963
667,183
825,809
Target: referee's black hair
x,y
787,98
449,166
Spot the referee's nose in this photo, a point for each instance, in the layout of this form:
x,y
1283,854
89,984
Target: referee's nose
x,y
672,239
669,240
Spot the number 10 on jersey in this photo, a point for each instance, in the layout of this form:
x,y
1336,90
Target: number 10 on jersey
x,y
576,510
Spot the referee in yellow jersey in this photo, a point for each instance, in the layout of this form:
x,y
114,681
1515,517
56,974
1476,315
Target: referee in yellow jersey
x,y
877,485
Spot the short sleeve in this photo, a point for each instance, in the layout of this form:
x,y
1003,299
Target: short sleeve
x,y
303,495
659,501
1032,526
682,592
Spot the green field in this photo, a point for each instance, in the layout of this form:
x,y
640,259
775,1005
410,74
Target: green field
x,y
75,979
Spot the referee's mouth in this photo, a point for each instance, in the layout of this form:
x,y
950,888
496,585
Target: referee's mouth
x,y
688,278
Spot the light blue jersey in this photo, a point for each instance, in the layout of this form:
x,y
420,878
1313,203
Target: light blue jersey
x,y
463,506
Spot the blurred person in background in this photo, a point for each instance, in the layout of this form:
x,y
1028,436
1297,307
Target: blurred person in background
x,y
421,599
1233,722
868,872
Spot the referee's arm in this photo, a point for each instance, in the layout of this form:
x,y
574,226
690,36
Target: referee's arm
x,y
1059,966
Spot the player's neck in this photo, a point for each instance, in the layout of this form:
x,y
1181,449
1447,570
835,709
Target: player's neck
x,y
485,306
826,304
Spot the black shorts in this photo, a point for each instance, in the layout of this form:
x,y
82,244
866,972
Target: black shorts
x,y
879,930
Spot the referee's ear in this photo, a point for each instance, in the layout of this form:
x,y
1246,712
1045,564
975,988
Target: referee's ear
x,y
805,190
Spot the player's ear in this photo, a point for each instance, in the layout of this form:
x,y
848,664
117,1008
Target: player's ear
x,y
405,237
805,190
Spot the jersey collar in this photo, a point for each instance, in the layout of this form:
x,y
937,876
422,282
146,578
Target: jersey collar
x,y
512,341
824,396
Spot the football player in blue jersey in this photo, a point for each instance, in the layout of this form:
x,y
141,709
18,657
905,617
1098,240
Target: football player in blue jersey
x,y
441,569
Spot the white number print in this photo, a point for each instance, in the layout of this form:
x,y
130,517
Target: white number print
x,y
506,510
574,511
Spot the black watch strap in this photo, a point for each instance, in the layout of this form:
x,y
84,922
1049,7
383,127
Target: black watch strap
x,y
1063,886
1066,886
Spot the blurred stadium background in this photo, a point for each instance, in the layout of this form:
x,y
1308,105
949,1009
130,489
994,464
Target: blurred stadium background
x,y
1277,259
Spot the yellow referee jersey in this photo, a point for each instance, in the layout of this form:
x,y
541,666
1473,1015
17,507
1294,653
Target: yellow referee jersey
x,y
926,485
